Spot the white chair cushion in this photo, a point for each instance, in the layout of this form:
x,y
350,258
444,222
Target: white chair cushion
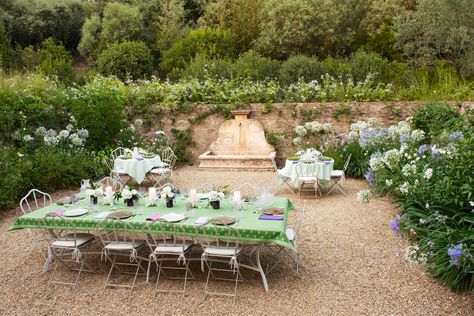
x,y
160,170
306,179
81,239
119,171
337,173
222,251
172,248
290,234
125,246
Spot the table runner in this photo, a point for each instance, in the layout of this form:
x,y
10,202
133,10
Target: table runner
x,y
250,228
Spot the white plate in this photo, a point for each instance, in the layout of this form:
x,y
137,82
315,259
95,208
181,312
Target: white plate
x,y
173,217
75,212
102,215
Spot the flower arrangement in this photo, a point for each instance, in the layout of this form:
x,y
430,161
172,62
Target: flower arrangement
x,y
215,197
95,192
129,196
168,194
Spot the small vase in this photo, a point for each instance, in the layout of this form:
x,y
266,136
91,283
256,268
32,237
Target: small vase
x,y
169,202
215,204
94,200
129,202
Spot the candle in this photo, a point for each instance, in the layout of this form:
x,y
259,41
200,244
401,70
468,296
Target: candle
x,y
237,196
152,192
108,189
193,195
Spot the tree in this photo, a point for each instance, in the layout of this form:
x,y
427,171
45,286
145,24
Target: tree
x,y
6,51
212,43
291,27
172,24
126,60
241,17
442,29
121,22
90,35
55,60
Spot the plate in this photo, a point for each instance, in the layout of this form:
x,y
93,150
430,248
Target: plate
x,y
120,214
172,217
272,211
148,156
223,220
125,157
69,200
75,212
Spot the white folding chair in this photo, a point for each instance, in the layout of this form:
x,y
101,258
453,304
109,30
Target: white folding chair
x,y
66,247
120,242
308,173
292,235
32,201
117,174
108,181
162,173
167,242
338,177
248,191
221,244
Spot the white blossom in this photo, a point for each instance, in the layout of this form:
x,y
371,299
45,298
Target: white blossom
x,y
428,173
364,196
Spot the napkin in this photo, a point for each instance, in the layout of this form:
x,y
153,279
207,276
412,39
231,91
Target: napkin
x,y
153,217
56,213
102,215
271,217
202,220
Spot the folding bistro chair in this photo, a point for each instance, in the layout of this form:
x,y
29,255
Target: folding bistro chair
x,y
108,181
308,172
338,177
120,242
292,235
32,201
162,173
117,174
167,242
221,244
67,247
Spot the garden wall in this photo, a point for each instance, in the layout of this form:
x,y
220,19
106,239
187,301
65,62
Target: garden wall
x,y
280,119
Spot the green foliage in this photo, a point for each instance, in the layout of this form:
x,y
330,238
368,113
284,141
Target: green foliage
x,y
125,60
428,33
253,66
213,43
342,110
90,35
121,22
434,118
172,24
54,60
6,51
300,67
182,140
202,67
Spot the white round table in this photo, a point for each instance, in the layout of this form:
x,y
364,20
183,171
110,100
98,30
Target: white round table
x,y
137,168
289,171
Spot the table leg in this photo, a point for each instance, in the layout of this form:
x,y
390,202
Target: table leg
x,y
259,268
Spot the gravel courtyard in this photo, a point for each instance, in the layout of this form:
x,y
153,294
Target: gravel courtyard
x,y
351,265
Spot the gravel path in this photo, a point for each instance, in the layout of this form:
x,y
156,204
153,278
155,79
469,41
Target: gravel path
x,y
349,267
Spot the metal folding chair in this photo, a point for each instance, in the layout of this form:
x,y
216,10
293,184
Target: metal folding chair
x,y
168,243
162,173
32,201
120,242
67,247
292,235
338,177
117,174
308,173
221,244
108,181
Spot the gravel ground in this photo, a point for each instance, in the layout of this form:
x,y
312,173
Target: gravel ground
x,y
349,258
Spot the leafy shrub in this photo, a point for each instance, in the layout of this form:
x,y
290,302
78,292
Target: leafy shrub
x,y
202,67
125,60
213,43
300,67
253,66
55,60
434,118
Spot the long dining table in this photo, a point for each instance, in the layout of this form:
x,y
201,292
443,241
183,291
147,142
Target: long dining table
x,y
253,232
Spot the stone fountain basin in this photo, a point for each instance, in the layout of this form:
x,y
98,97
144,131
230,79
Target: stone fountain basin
x,y
210,160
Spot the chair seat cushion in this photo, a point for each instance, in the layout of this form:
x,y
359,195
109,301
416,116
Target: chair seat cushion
x,y
119,171
307,179
222,251
290,234
337,173
68,241
170,248
160,170
125,246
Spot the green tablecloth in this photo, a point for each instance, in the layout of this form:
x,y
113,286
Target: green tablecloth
x,y
251,229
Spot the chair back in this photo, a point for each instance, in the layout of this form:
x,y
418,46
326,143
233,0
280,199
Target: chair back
x,y
108,181
112,230
247,190
346,164
222,236
307,168
34,200
170,161
56,227
164,233
166,153
298,222
117,152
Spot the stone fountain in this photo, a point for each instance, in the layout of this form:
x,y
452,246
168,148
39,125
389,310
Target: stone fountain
x,y
240,145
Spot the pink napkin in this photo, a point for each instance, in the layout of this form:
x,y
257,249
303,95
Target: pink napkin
x,y
153,217
271,217
56,213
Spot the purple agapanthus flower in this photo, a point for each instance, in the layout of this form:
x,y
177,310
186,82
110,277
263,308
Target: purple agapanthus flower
x,y
369,176
395,226
455,253
371,137
404,138
456,136
423,148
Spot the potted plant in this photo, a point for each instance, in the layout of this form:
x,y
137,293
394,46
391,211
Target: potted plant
x,y
129,196
215,198
168,194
